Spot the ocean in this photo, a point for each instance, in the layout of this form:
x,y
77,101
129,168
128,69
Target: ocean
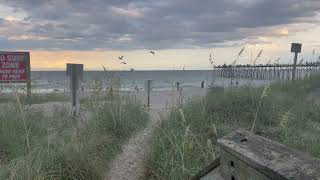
x,y
58,81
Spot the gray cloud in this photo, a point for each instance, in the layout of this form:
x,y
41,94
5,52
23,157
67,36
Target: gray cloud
x,y
128,24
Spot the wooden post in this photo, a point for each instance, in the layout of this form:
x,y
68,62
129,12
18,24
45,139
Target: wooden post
x,y
295,48
74,88
148,89
75,72
28,73
294,66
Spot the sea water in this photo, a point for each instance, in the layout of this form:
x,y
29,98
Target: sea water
x,y
58,81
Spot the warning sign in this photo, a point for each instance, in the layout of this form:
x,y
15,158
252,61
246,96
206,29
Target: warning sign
x,y
14,66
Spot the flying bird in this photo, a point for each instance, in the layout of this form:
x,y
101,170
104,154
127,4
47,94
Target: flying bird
x,y
131,69
314,52
152,52
121,58
123,62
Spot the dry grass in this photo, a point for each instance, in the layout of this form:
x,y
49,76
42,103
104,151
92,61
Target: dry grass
x,y
63,147
185,142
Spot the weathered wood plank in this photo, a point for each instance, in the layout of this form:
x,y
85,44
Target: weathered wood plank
x,y
207,169
213,175
233,168
273,159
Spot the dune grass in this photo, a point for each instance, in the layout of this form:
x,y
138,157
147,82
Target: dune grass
x,y
63,147
35,98
185,142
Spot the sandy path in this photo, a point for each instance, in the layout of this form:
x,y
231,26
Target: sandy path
x,y
129,165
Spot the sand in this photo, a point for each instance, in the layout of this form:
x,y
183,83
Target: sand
x,y
129,165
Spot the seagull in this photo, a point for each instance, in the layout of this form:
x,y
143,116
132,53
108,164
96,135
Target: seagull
x,y
121,58
314,52
131,69
123,62
152,52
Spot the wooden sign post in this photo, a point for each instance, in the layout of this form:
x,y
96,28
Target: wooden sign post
x,y
295,48
75,72
15,68
148,89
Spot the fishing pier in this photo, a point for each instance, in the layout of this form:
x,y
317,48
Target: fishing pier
x,y
281,72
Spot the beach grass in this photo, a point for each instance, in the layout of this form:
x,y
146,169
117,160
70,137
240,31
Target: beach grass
x,y
35,98
65,147
186,141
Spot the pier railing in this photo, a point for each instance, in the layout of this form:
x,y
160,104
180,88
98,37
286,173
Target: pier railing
x,y
267,72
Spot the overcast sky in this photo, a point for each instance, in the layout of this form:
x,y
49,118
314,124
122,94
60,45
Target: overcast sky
x,y
181,32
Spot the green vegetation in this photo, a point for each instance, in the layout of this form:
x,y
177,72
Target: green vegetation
x,y
35,98
35,146
185,142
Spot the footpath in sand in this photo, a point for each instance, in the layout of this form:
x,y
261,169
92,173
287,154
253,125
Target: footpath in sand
x,y
129,165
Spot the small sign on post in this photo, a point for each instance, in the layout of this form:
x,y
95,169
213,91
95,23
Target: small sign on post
x,y
75,72
15,68
295,48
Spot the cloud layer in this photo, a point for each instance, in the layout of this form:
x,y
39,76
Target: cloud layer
x,y
150,24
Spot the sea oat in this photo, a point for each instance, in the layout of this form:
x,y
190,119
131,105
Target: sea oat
x,y
182,115
259,55
284,119
266,92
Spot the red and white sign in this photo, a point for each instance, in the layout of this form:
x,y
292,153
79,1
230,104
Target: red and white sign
x,y
14,66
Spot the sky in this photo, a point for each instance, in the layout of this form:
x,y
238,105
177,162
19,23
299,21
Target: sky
x,y
182,33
